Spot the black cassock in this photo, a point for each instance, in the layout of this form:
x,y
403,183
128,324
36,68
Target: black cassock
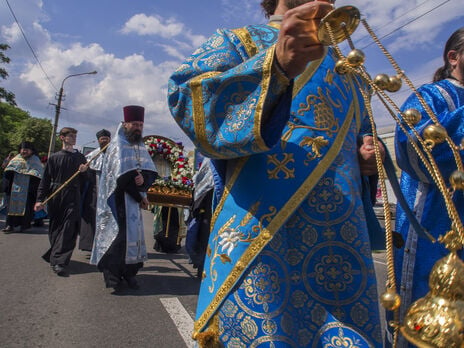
x,y
89,210
64,209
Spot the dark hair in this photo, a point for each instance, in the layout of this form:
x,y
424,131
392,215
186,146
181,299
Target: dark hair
x,y
269,7
67,130
26,145
454,43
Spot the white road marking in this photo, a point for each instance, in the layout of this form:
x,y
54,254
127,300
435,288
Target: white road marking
x,y
380,262
180,317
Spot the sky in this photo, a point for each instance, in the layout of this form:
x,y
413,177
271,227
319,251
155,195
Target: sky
x,y
135,45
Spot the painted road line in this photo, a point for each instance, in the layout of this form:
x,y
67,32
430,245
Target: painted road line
x,y
180,317
380,262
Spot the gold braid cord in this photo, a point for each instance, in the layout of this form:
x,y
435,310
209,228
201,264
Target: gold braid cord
x,y
436,320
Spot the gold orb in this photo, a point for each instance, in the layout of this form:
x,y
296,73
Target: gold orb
x,y
412,116
355,58
434,134
340,67
382,80
390,300
394,83
457,180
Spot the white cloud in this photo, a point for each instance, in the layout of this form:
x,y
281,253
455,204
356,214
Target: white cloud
x,y
410,24
180,40
142,24
94,102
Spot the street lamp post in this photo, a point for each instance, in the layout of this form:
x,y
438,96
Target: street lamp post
x,y
58,109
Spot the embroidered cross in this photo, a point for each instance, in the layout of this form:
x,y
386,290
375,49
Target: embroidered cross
x,y
280,166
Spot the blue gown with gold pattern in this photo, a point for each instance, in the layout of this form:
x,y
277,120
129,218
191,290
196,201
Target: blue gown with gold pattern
x,y
289,262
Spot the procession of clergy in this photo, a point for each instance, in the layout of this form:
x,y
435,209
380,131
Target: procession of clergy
x,y
292,165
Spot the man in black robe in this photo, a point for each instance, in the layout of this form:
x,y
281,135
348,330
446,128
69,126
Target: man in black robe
x,y
128,171
64,208
89,198
21,179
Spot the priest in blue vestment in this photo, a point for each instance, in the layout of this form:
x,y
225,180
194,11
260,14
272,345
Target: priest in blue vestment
x,y
127,172
289,261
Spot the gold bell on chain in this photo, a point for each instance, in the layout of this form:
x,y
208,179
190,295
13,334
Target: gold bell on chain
x,y
434,134
381,81
394,83
457,180
390,300
341,67
412,116
356,58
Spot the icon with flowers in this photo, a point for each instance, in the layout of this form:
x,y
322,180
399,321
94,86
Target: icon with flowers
x,y
181,171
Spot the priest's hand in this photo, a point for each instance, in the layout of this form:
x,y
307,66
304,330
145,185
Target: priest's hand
x,y
38,206
139,179
366,155
144,203
298,43
83,167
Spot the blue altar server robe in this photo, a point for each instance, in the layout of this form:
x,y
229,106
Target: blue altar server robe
x,y
415,260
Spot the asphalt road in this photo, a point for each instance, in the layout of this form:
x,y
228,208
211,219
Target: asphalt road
x,y
40,309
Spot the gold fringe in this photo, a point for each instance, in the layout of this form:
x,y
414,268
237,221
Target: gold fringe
x,y
210,337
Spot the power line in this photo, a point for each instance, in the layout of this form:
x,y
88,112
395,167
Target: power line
x,y
29,45
407,23
367,36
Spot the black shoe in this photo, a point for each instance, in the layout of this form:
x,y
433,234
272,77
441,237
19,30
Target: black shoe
x,y
59,270
8,229
132,283
24,228
38,223
119,287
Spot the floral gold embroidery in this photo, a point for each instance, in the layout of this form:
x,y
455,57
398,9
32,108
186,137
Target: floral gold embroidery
x,y
316,144
341,341
334,273
262,285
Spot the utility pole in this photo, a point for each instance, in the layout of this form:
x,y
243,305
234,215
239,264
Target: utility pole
x,y
51,148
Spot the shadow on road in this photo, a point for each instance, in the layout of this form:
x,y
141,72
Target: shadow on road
x,y
78,267
33,231
162,285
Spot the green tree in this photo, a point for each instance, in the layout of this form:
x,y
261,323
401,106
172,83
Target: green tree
x,y
5,95
35,130
10,119
17,125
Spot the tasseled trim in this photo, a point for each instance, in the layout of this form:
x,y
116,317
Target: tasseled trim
x,y
210,337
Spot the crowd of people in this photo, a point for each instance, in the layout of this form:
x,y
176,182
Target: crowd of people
x,y
277,228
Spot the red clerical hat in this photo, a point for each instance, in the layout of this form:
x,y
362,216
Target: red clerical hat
x,y
134,113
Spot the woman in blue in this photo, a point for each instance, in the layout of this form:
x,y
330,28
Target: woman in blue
x,y
445,97
288,262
